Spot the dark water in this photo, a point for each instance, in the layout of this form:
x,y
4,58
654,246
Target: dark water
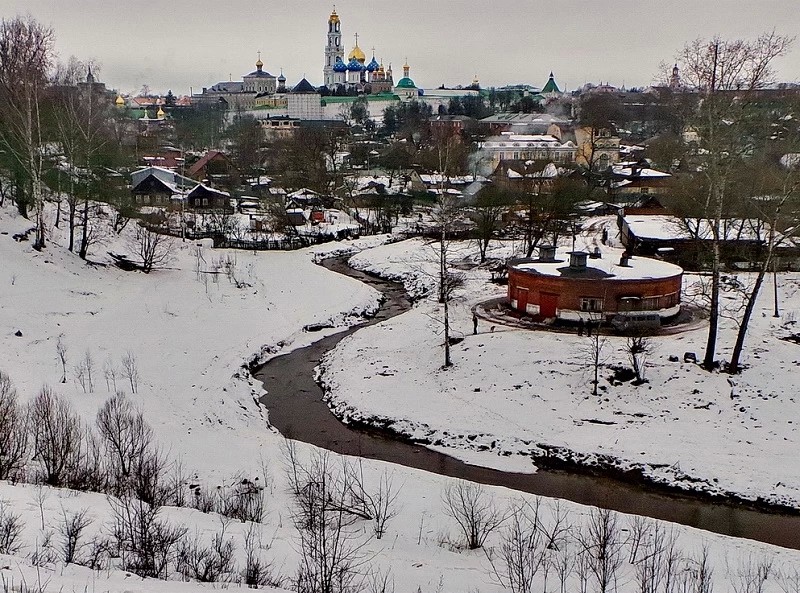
x,y
296,409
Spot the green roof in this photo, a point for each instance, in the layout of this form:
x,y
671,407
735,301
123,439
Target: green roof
x,y
551,86
406,83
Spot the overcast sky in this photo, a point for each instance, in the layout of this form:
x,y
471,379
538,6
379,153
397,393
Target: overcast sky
x,y
183,44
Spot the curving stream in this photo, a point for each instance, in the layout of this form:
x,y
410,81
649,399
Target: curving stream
x,y
297,410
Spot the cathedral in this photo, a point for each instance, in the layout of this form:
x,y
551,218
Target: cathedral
x,y
355,73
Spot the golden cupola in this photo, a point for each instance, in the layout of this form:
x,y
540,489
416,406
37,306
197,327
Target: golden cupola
x,y
334,18
356,53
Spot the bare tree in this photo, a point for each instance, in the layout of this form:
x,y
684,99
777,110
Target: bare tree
x,y
127,440
61,351
110,373
57,437
72,528
750,575
726,73
522,552
13,432
775,201
10,530
594,350
638,348
378,503
82,121
702,572
244,501
147,545
657,560
564,563
447,148
601,542
214,563
639,530
474,510
152,249
788,579
331,550
84,372
491,204
130,370
26,52
256,571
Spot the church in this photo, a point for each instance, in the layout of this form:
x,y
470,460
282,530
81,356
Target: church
x,y
354,73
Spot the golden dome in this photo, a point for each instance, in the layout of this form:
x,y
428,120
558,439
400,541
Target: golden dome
x,y
334,18
160,114
357,53
120,102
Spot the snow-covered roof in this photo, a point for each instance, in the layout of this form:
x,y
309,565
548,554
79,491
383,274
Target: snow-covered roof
x,y
438,179
665,227
604,268
629,171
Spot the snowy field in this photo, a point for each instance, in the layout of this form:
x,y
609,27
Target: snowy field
x,y
193,327
520,392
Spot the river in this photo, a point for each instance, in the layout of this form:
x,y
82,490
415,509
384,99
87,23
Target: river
x,y
297,410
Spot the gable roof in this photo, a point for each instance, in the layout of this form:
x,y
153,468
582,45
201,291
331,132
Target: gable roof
x,y
205,159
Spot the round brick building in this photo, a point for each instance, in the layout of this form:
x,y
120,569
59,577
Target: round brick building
x,y
575,285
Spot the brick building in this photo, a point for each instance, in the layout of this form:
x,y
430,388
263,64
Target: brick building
x,y
573,286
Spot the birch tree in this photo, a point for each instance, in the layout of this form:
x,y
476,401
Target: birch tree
x,y
726,74
26,53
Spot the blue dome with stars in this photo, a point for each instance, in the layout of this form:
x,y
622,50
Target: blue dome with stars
x,y
355,66
373,65
339,66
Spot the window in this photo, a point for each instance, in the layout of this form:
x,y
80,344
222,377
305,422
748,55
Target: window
x,y
592,304
650,303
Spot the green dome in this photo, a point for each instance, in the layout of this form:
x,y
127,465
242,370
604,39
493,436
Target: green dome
x,y
406,83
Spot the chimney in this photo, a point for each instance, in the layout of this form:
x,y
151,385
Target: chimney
x,y
577,260
547,253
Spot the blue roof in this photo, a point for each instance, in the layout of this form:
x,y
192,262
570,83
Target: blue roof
x,y
339,66
355,66
373,65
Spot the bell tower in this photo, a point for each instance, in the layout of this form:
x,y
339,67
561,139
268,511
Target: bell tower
x,y
333,49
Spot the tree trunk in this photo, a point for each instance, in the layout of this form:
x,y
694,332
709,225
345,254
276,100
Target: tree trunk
x,y
71,204
733,365
713,319
444,292
85,230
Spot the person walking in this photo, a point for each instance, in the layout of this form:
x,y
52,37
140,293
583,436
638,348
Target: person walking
x,y
580,326
474,324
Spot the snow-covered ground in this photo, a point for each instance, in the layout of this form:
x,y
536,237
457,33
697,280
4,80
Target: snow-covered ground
x,y
517,391
192,334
